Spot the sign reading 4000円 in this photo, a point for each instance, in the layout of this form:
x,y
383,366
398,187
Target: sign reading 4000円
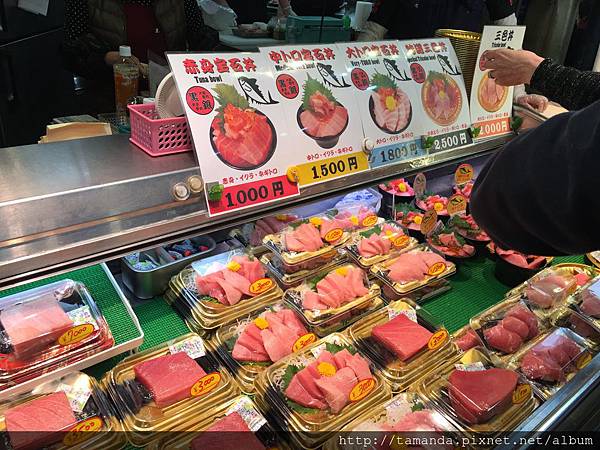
x,y
320,107
240,135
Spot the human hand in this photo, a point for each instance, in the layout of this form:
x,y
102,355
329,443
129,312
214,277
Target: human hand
x,y
536,102
510,67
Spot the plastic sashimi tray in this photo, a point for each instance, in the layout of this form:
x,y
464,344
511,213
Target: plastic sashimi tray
x,y
115,308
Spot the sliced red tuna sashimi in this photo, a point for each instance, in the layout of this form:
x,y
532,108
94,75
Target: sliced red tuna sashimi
x,y
468,340
336,388
502,339
249,345
39,423
291,320
308,378
170,377
342,358
550,359
238,281
232,295
299,394
402,336
312,300
34,326
540,366
318,126
524,314
590,304
329,225
360,367
477,396
251,269
516,325
278,345
305,238
413,266
229,433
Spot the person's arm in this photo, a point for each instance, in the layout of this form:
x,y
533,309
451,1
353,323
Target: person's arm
x,y
502,12
538,195
83,53
383,16
199,35
572,88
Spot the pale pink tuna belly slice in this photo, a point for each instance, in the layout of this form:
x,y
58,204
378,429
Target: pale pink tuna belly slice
x,y
312,300
502,339
516,325
297,393
336,388
525,315
232,295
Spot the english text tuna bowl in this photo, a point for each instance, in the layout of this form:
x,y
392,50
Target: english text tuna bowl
x,y
384,129
323,141
267,157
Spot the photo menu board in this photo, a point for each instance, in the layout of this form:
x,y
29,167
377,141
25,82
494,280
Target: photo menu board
x,y
388,100
241,137
491,104
319,104
435,69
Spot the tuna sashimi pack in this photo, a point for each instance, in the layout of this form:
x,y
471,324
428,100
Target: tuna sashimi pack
x,y
158,389
48,327
54,412
587,301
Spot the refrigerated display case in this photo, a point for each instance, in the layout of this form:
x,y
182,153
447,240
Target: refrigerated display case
x,y
72,206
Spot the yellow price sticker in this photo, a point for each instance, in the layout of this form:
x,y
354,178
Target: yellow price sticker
x,y
583,360
362,389
76,334
436,269
456,204
369,221
438,339
521,393
464,174
304,341
205,384
334,235
401,241
330,168
261,286
82,431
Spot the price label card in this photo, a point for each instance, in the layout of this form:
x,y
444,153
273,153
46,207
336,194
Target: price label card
x,y
320,107
491,104
443,99
388,100
420,184
240,133
457,204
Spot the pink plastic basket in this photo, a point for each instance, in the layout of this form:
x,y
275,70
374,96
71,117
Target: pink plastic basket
x,y
155,136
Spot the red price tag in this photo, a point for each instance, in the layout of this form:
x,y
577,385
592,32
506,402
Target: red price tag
x,y
418,73
200,100
287,86
249,194
493,127
360,79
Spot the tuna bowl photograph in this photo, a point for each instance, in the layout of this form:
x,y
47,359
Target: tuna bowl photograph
x,y
389,105
441,98
242,137
320,116
491,95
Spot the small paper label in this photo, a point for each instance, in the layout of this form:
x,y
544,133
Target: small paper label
x,y
464,173
78,395
82,431
362,389
521,393
261,286
248,412
473,367
369,221
318,350
583,360
205,384
457,204
304,341
420,184
334,235
395,309
76,334
438,339
81,316
428,222
193,346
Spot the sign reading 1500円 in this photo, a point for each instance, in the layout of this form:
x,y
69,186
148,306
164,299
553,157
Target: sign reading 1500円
x,y
388,100
320,107
240,134
435,69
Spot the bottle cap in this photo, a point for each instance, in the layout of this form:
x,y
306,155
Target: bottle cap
x,y
124,50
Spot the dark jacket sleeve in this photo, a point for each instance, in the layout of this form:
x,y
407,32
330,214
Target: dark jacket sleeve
x,y
539,194
499,9
572,88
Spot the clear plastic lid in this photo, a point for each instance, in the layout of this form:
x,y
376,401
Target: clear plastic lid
x,y
466,338
413,269
507,326
581,325
355,217
308,238
158,389
321,387
47,326
76,402
587,300
236,423
252,234
552,359
332,293
478,397
289,276
378,243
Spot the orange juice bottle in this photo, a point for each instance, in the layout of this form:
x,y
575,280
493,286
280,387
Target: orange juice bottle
x,y
126,80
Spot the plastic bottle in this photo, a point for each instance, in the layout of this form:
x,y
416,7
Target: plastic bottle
x,y
126,80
